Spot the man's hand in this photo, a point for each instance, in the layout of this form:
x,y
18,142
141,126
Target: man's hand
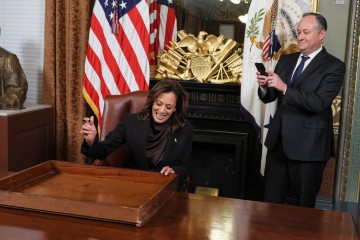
x,y
273,80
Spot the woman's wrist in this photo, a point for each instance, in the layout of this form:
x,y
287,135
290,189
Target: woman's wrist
x,y
88,143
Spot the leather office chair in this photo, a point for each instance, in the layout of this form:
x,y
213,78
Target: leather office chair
x,y
115,107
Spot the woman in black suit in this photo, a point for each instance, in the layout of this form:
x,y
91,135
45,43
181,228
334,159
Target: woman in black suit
x,y
158,138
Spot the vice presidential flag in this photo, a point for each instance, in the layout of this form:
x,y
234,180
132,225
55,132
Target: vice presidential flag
x,y
270,32
163,27
117,59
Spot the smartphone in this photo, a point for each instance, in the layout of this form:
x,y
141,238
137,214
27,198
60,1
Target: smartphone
x,y
261,68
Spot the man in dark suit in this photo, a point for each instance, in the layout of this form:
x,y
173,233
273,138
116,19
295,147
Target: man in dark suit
x,y
300,138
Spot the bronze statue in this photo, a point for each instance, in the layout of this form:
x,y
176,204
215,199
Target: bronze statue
x,y
13,83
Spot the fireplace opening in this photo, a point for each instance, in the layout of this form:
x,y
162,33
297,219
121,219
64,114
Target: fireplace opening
x,y
218,162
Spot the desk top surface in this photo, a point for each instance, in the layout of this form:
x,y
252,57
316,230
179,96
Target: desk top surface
x,y
28,107
189,216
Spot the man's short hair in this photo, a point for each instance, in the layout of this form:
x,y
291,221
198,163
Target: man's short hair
x,y
321,21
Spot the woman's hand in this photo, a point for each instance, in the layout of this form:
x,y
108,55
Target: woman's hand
x,y
88,130
166,170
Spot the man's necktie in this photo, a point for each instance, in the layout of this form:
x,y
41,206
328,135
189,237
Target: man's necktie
x,y
299,69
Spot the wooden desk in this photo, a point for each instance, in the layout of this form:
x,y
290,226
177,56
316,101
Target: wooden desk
x,y
189,216
5,173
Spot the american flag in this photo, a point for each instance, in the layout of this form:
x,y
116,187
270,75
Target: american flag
x,y
117,58
271,43
163,27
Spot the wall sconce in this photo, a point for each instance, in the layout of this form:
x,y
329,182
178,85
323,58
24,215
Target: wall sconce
x,y
243,18
237,1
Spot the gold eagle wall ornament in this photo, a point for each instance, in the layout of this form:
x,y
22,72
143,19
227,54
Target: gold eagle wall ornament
x,y
205,58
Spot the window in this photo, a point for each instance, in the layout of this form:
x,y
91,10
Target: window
x,y
22,33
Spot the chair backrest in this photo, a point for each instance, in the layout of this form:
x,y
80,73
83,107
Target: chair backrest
x,y
115,107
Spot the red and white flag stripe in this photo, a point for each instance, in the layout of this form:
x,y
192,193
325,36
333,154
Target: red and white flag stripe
x,y
163,27
116,63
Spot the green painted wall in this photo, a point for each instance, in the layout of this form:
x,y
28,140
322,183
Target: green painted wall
x,y
337,17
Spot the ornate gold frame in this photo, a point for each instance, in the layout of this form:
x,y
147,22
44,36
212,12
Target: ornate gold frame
x,y
347,189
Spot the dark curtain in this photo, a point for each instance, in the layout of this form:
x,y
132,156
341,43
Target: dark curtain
x,y
66,35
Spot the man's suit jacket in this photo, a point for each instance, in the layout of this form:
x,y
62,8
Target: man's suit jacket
x,y
134,132
303,116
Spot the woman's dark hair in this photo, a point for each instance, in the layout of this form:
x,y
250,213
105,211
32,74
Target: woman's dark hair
x,y
321,21
177,119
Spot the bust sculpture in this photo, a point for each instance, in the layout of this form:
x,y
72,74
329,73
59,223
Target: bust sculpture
x,y
13,83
